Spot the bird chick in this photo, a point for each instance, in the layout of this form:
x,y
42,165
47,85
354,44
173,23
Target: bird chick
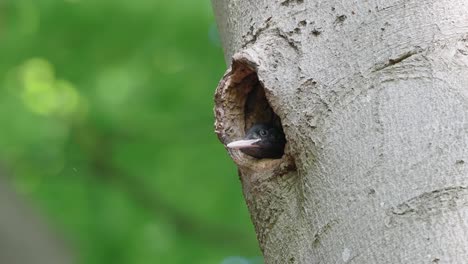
x,y
262,141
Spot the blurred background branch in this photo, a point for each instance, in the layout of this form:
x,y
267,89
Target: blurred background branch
x,y
106,125
150,201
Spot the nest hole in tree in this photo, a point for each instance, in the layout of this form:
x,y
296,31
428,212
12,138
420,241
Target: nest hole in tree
x,y
249,104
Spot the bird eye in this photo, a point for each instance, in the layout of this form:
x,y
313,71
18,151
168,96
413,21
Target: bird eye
x,y
263,132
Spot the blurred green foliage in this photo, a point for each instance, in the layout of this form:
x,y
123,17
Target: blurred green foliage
x,y
107,126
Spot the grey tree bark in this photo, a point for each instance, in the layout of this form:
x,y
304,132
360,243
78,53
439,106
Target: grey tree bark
x,y
373,99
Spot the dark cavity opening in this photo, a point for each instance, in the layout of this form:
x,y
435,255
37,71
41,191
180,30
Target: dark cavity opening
x,y
252,101
257,109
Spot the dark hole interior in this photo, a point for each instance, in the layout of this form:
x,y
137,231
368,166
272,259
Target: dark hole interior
x,y
257,108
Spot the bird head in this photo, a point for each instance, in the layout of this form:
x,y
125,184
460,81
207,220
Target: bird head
x,y
261,141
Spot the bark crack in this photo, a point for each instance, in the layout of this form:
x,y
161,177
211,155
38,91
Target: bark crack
x,y
252,36
398,59
290,2
432,203
322,231
292,43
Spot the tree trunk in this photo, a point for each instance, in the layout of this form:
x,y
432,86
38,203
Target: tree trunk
x,y
373,99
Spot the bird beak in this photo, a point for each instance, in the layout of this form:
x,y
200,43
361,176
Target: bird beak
x,y
244,143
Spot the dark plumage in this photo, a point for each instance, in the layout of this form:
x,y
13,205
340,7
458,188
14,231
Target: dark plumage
x,y
262,141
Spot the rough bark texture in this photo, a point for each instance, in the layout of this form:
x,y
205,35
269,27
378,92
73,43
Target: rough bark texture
x,y
373,99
